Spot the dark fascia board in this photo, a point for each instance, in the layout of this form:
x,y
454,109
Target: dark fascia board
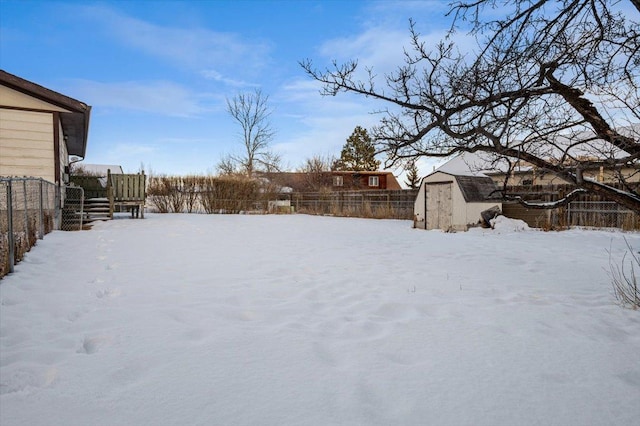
x,y
75,124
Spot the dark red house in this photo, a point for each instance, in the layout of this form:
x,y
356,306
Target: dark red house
x,y
335,181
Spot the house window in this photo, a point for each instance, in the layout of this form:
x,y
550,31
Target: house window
x,y
338,181
527,182
374,181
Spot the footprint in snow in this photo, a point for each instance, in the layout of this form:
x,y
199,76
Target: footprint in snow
x,y
93,344
25,380
108,293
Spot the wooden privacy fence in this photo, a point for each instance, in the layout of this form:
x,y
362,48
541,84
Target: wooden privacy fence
x,y
127,190
588,210
393,204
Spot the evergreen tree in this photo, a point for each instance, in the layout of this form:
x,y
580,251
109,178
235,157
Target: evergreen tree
x,y
413,179
358,154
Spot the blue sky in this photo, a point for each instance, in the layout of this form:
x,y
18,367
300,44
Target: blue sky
x,y
157,73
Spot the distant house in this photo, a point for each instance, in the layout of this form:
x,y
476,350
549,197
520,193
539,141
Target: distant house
x,y
453,202
364,180
98,169
525,174
39,130
93,177
333,181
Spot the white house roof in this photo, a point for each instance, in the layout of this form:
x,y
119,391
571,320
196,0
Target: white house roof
x,y
475,164
482,164
465,164
101,169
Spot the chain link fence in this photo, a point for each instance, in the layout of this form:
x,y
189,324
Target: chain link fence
x,y
387,204
600,214
588,210
73,213
27,213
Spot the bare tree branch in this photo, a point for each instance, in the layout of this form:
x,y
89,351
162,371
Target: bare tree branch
x,y
555,84
251,112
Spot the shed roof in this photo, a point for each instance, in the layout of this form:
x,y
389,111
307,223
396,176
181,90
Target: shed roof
x,y
477,188
75,123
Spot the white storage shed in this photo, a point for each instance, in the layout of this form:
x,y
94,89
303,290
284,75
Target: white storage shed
x,y
453,202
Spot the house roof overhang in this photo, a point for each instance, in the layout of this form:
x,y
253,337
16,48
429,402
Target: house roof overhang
x,y
75,122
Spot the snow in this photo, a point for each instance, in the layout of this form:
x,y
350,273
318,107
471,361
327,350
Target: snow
x,y
505,224
474,164
302,320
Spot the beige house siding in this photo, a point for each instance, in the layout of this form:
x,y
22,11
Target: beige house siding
x,y
26,144
10,97
537,178
63,155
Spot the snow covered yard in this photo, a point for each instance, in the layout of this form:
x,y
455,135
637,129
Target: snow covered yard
x,y
302,320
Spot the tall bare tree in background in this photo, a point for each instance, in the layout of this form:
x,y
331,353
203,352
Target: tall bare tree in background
x,y
554,84
252,113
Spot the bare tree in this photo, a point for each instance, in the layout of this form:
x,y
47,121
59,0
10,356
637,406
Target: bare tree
x,y
227,166
317,171
269,162
554,84
252,113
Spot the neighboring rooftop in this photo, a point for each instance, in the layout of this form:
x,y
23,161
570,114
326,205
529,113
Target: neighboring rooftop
x,y
100,169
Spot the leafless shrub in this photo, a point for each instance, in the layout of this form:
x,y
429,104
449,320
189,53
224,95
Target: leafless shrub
x,y
4,254
158,193
624,278
176,194
229,195
190,188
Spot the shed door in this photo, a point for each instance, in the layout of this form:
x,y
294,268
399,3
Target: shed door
x,y
439,207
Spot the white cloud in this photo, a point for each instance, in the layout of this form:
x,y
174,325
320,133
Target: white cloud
x,y
216,76
379,48
198,49
159,97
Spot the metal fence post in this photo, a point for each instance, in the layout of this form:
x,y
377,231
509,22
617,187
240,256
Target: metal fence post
x,y
81,206
10,236
57,210
41,212
26,209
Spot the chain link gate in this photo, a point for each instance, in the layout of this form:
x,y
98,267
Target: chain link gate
x,y
73,213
